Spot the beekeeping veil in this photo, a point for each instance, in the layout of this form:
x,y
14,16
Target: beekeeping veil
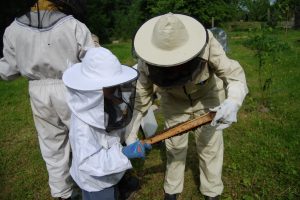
x,y
169,44
103,90
45,13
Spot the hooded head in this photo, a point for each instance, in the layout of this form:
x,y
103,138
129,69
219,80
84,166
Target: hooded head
x,y
102,90
169,40
169,44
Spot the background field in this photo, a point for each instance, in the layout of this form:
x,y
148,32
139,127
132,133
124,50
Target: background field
x,y
262,151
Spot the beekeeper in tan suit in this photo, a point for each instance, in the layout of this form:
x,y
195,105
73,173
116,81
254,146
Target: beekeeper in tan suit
x,y
194,75
40,45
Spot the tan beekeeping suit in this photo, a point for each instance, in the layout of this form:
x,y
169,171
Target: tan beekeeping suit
x,y
218,78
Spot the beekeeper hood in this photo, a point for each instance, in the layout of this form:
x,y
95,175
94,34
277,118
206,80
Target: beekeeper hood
x,y
102,91
170,44
46,13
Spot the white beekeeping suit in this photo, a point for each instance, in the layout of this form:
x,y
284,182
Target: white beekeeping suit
x,y
98,161
40,45
102,105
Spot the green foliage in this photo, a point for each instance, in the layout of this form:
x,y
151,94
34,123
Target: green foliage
x,y
127,20
268,49
99,19
113,20
282,10
255,10
117,19
266,44
242,26
220,10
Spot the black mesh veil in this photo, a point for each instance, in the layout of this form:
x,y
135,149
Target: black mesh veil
x,y
46,18
119,104
77,8
174,76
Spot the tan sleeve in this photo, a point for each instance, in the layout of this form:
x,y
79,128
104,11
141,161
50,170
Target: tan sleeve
x,y
144,89
230,71
8,64
84,39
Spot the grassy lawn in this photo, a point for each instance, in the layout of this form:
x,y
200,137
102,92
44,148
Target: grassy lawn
x,y
262,151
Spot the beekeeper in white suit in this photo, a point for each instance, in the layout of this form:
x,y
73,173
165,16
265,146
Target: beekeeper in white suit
x,y
101,97
193,73
39,46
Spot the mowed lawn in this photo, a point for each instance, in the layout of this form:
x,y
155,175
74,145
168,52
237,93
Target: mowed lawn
x,y
262,151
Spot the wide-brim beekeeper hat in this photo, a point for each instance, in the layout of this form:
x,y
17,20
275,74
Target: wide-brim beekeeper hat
x,y
98,69
170,39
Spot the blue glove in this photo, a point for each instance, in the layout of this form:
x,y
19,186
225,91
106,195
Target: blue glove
x,y
136,150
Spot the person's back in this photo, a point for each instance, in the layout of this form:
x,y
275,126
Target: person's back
x,y
40,46
41,49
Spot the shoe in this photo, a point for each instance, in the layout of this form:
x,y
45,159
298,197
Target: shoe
x,y
212,198
170,196
128,186
76,195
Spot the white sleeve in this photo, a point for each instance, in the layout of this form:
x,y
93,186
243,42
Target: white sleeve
x,y
143,101
131,133
96,153
106,162
8,64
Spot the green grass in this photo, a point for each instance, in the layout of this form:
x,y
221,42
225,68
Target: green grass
x,y
262,151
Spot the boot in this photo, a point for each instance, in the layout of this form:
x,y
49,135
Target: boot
x,y
212,198
170,196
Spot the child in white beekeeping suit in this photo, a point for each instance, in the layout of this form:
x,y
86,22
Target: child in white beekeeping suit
x,y
39,46
101,97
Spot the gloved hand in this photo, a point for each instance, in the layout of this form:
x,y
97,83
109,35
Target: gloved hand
x,y
225,114
136,150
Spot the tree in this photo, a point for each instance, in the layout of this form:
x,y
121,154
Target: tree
x,y
221,10
297,16
256,10
287,9
8,11
268,49
100,18
127,18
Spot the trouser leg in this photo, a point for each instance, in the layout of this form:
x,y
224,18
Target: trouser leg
x,y
55,149
106,194
51,117
210,153
176,150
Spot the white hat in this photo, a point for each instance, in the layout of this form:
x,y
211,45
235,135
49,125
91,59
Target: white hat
x,y
170,39
99,68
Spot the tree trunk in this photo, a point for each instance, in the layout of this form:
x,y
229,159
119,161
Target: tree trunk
x,y
297,17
